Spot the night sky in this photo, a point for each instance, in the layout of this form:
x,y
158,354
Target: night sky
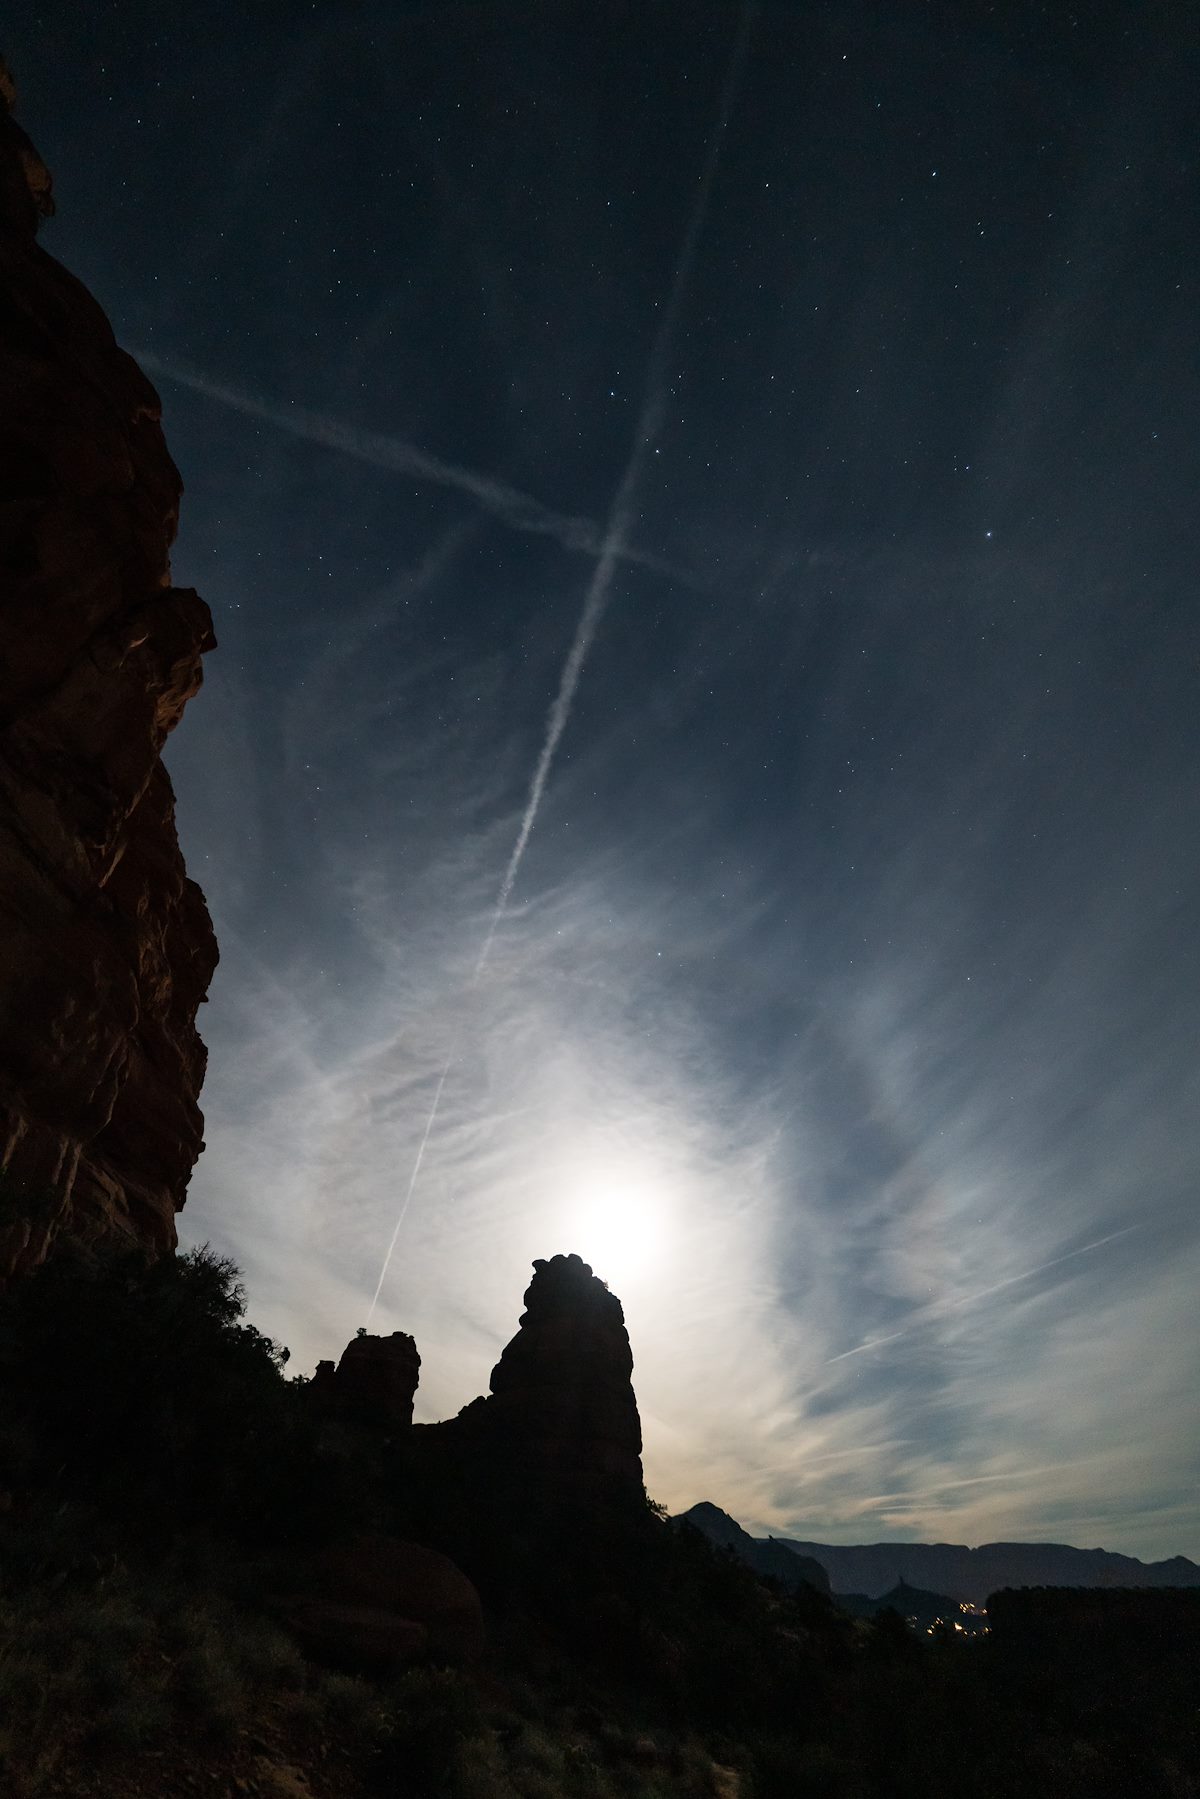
x,y
805,399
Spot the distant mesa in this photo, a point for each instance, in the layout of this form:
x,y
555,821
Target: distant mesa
x,y
965,1575
106,948
972,1574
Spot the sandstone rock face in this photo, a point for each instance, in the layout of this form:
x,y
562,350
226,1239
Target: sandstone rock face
x,y
374,1383
106,948
562,1394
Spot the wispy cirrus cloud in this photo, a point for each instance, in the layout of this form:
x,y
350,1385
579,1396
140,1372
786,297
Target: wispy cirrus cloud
x,y
871,1225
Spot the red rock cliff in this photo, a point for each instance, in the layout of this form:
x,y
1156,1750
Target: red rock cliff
x,y
106,948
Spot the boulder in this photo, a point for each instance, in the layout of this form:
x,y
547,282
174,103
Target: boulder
x,y
362,1583
360,1639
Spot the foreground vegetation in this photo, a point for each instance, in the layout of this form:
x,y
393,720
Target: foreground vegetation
x,y
162,1482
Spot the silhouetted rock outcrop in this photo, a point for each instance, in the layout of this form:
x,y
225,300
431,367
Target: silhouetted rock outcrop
x,y
562,1392
374,1383
563,1387
561,1420
1108,1653
106,948
1053,1624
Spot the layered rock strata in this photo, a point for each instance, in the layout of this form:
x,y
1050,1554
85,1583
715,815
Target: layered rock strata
x,y
106,948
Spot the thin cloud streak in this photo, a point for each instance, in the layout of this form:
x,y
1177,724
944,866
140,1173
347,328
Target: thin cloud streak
x,y
412,1183
933,1313
519,511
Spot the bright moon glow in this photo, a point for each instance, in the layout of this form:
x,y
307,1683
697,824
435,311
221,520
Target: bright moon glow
x,y
621,1230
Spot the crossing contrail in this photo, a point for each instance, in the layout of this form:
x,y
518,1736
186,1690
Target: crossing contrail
x,y
620,520
613,549
520,511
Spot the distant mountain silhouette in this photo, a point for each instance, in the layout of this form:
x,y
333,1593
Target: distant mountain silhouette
x,y
766,1555
873,1569
972,1574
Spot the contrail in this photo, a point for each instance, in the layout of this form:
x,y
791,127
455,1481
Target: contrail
x,y
620,518
613,548
593,610
927,1314
412,1182
520,511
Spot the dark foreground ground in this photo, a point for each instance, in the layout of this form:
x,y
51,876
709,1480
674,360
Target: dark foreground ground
x,y
168,1495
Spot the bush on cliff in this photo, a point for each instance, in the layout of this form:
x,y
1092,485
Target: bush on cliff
x,y
141,1390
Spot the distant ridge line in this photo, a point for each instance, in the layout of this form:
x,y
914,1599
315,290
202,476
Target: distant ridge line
x,y
953,1568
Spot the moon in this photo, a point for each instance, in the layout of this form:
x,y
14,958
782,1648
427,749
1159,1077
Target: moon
x,y
621,1229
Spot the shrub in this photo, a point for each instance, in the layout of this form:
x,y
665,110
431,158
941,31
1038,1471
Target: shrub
x,y
429,1715
143,1389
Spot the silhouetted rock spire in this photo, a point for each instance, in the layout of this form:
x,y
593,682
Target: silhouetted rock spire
x,y
562,1392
